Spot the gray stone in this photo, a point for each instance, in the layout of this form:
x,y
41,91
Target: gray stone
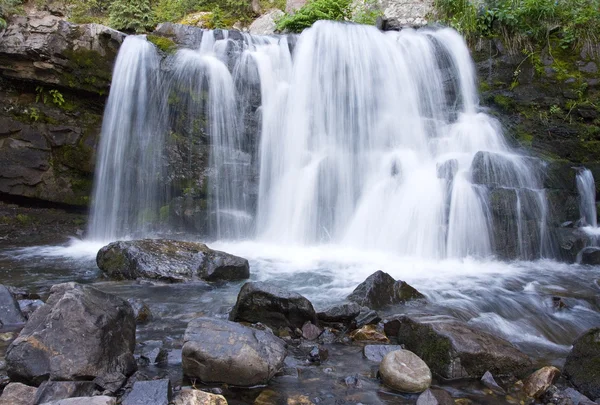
x,y
169,260
221,351
197,397
380,290
499,170
404,371
489,381
273,306
435,397
378,352
454,350
266,23
99,400
155,392
311,331
79,334
110,382
18,394
343,313
367,316
10,313
538,382
406,13
141,310
28,307
447,170
589,255
582,366
55,390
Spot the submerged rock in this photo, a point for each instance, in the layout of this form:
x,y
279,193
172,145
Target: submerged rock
x,y
216,350
489,381
435,397
380,289
589,255
141,310
169,260
454,350
378,352
155,392
197,397
272,306
79,334
404,371
18,394
538,383
10,313
582,367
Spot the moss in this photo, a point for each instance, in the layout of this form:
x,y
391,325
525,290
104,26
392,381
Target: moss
x,y
75,156
87,70
164,44
484,86
504,102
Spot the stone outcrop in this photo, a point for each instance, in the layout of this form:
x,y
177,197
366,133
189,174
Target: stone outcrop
x,y
380,290
169,260
80,333
10,313
582,367
266,23
405,13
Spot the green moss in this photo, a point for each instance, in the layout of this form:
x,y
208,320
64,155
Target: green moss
x,y
504,102
164,44
484,86
87,70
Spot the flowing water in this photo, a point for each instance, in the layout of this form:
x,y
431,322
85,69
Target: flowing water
x,y
322,158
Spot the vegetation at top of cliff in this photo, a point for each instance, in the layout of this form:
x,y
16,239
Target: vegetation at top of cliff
x,y
8,7
131,15
335,10
525,23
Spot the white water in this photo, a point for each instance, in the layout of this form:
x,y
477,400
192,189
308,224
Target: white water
x,y
357,131
587,198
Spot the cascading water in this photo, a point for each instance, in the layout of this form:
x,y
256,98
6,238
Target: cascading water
x,y
587,197
365,139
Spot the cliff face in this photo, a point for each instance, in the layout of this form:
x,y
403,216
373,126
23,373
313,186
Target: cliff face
x,y
54,78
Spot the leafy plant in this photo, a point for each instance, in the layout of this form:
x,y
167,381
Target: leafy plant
x,y
43,96
34,114
314,10
8,7
367,12
131,15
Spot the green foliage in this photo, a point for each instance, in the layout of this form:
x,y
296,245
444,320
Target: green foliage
x,y
34,114
89,11
524,23
53,95
8,7
314,10
367,13
164,44
224,12
131,15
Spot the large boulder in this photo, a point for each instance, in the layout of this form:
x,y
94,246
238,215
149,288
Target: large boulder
x,y
79,334
582,367
266,24
18,394
454,350
219,351
169,260
57,390
155,392
272,306
403,13
404,371
197,397
10,313
380,289
589,255
343,313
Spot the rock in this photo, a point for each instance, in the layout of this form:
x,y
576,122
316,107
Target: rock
x,y
293,5
391,325
18,394
311,331
152,352
380,289
169,260
367,316
110,382
141,310
343,313
454,350
353,382
155,392
221,351
499,170
10,314
488,381
435,397
197,397
577,397
447,170
406,13
582,367
99,329
538,383
28,307
55,390
369,333
404,371
589,255
99,400
273,306
378,352
568,396
266,23
317,353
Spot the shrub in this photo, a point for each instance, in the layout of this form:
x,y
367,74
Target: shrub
x,y
8,7
314,10
131,15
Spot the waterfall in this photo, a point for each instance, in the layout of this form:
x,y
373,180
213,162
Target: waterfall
x,y
343,135
587,197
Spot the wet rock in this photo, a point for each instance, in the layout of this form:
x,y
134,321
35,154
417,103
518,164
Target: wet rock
x,y
558,303
18,394
311,331
369,333
353,382
152,352
343,313
538,383
447,170
266,23
378,352
216,350
10,314
367,316
500,170
435,397
404,371
141,311
55,390
317,354
391,325
110,382
197,397
99,400
169,260
488,381
568,396
577,397
28,307
155,392
454,350
582,367
380,289
590,255
99,329
272,306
